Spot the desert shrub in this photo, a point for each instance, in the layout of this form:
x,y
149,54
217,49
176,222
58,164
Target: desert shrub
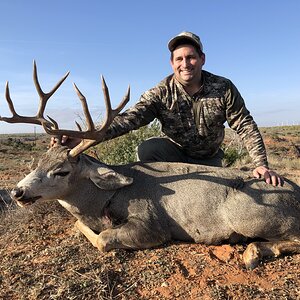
x,y
122,150
233,155
234,150
18,144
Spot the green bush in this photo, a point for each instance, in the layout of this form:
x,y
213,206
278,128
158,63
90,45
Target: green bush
x,y
232,155
234,149
122,150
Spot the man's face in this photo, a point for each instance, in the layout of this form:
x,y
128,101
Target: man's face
x,y
187,64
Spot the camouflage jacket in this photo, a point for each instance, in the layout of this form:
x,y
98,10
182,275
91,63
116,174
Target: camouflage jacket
x,y
196,124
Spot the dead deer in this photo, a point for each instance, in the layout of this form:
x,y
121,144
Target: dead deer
x,y
143,205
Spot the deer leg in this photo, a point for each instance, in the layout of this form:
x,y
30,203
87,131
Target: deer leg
x,y
108,240
256,251
88,232
133,235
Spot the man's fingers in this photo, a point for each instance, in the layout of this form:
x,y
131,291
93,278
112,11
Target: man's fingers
x,y
256,173
53,141
273,178
267,177
270,176
280,181
64,139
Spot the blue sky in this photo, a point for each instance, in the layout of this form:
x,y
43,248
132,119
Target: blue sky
x,y
254,43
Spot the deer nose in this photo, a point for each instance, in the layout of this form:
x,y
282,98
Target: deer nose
x,y
17,193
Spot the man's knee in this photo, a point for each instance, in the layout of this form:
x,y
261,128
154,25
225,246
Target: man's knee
x,y
147,150
159,149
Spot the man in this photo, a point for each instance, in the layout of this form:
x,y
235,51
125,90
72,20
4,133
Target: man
x,y
192,106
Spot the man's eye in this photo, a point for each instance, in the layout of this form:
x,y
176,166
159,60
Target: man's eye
x,y
61,174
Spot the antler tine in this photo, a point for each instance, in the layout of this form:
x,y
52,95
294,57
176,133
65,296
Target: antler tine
x,y
16,118
90,127
106,96
39,118
88,118
124,101
78,126
8,99
72,133
92,136
44,97
55,126
112,113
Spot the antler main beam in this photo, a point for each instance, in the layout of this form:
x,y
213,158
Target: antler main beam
x,y
44,97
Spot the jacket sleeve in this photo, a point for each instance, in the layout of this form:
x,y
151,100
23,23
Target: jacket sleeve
x,y
141,114
240,120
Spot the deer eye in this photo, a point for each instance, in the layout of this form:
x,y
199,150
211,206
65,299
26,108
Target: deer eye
x,y
61,174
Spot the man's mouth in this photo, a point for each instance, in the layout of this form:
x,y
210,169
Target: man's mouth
x,y
186,72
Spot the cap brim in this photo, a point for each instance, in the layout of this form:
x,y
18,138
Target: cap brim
x,y
174,41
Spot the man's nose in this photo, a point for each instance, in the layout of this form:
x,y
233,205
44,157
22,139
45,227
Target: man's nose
x,y
185,62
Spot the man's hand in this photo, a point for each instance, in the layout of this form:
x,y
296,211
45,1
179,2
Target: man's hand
x,y
270,176
65,141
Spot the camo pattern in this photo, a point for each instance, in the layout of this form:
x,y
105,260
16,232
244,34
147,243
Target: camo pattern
x,y
195,124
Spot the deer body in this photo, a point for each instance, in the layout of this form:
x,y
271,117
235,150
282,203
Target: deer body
x,y
143,205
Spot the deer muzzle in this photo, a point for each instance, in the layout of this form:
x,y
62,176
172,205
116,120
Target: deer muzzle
x,y
19,195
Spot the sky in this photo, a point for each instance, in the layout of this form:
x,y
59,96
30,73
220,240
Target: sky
x,y
254,43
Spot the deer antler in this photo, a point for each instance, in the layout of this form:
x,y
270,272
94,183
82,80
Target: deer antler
x,y
91,135
88,137
39,118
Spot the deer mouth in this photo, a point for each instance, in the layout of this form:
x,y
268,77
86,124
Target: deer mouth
x,y
22,198
27,201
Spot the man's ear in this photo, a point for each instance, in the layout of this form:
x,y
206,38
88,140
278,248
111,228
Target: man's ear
x,y
203,59
107,179
171,62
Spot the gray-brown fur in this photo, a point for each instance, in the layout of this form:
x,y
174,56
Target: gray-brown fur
x,y
143,205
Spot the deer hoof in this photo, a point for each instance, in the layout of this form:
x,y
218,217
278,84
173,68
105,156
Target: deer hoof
x,y
252,256
105,241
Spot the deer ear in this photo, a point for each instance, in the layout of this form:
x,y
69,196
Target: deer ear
x,y
107,179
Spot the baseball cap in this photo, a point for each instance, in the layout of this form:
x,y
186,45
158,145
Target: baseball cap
x,y
185,36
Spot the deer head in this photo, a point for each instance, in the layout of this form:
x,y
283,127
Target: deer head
x,y
60,167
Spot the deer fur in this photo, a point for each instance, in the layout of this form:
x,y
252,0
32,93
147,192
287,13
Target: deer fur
x,y
143,205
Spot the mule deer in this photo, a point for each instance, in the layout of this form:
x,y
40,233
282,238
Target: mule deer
x,y
142,205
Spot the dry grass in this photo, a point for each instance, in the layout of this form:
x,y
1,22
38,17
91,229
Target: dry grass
x,y
39,265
